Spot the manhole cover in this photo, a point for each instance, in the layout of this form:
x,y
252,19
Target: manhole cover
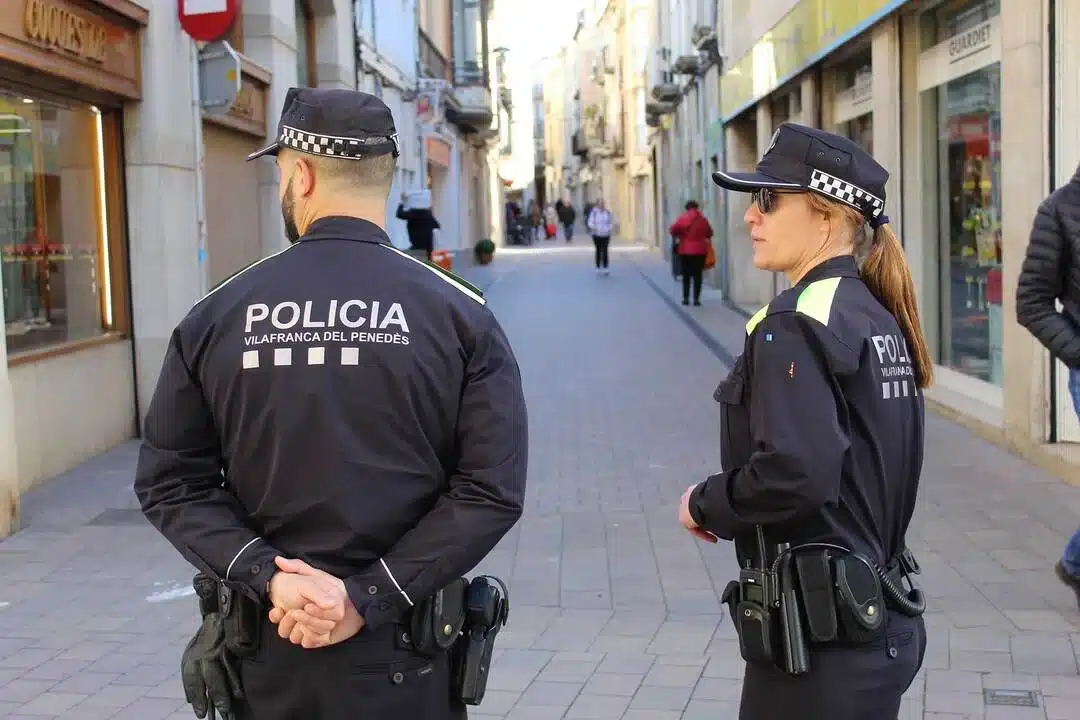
x,y
1016,698
115,517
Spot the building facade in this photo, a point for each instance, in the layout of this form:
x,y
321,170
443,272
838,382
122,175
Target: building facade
x,y
456,112
683,76
594,102
123,203
561,115
967,102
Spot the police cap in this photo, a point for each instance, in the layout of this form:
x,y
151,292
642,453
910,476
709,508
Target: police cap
x,y
804,158
334,123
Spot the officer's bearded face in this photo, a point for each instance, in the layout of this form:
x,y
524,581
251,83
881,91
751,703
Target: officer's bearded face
x,y
288,213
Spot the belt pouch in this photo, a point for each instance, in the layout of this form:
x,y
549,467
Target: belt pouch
x,y
437,620
243,622
754,626
860,604
754,619
731,598
818,595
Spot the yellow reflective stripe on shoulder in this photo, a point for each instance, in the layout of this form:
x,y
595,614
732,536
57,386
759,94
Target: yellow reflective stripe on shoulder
x,y
757,318
816,300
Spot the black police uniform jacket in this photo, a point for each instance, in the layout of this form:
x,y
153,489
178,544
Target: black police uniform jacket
x,y
343,403
822,435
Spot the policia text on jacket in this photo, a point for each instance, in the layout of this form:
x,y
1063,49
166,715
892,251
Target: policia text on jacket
x,y
338,436
290,322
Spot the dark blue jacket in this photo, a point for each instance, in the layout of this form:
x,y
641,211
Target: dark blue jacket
x,y
343,403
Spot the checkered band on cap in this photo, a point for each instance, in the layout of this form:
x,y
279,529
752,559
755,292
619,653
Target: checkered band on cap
x,y
330,146
869,205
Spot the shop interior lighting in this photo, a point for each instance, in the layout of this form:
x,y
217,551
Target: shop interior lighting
x,y
106,285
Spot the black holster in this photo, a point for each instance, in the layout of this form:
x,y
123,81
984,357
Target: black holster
x,y
242,615
487,606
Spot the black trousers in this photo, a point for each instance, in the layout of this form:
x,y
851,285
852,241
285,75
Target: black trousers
x,y
601,242
692,268
863,683
367,677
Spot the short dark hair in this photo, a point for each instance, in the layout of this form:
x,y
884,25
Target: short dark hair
x,y
371,174
692,205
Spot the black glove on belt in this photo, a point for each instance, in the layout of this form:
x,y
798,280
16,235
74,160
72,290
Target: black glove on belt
x,y
208,671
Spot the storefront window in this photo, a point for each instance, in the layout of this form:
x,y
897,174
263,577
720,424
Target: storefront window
x,y
962,117
53,223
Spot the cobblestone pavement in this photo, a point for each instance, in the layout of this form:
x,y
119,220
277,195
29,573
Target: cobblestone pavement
x,y
615,608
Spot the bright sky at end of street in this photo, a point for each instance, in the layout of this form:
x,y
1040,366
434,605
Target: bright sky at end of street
x,y
530,31
533,30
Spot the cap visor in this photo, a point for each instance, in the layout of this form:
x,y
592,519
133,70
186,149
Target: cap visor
x,y
271,149
748,182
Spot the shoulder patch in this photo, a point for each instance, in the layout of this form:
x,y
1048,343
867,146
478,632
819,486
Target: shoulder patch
x,y
756,319
816,300
456,281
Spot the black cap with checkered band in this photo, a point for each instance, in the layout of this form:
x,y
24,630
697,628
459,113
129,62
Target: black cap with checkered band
x,y
804,158
334,123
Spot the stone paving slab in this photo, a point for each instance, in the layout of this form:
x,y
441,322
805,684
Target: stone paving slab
x,y
615,608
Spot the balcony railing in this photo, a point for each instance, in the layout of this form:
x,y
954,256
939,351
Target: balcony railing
x,y
470,72
431,60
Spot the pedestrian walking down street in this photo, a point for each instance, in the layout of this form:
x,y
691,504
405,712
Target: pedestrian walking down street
x,y
694,235
601,223
420,224
536,220
822,443
1051,273
567,216
551,219
330,476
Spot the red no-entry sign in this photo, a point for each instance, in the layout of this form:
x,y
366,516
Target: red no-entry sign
x,y
208,20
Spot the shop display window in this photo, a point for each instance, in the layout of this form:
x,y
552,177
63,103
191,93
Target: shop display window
x,y
54,220
962,125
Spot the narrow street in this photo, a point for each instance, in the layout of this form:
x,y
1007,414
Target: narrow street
x,y
615,608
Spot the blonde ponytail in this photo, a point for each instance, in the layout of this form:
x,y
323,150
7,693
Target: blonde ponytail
x,y
886,273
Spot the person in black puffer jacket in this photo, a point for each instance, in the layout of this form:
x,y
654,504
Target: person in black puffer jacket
x,y
1051,271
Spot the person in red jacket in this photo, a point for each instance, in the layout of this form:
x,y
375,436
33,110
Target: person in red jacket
x,y
694,234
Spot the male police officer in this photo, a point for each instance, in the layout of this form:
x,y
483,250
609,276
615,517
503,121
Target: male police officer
x,y
345,413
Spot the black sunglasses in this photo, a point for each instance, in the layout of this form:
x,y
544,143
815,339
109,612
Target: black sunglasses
x,y
765,197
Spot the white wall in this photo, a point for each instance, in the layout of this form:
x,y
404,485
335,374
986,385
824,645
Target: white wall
x,y
167,277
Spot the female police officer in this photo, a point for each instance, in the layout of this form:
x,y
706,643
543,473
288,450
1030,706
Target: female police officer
x,y
822,443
